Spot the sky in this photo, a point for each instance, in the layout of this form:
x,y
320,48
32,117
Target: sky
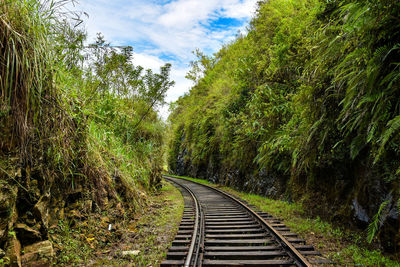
x,y
167,31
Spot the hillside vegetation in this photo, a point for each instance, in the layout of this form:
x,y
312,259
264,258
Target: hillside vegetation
x,y
304,107
79,132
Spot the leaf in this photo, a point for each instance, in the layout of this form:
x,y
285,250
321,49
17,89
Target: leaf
x,y
393,126
377,221
356,146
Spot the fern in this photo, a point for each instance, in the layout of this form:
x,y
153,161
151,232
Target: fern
x,y
393,126
377,221
356,146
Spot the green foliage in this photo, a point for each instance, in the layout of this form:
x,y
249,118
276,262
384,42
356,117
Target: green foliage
x,y
310,94
122,99
377,221
29,96
73,249
362,257
72,115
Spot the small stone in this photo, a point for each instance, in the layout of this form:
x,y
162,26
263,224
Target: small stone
x,y
130,252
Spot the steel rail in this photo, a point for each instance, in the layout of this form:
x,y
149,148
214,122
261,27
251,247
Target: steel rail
x,y
200,237
298,257
196,231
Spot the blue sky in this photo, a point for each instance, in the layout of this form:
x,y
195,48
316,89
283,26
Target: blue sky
x,y
167,31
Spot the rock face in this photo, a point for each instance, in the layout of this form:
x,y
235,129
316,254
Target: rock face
x,y
346,193
8,214
359,212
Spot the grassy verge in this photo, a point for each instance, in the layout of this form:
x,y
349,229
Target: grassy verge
x,y
150,233
158,228
342,246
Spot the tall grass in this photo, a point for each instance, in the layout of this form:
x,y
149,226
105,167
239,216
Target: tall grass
x,y
31,104
56,124
25,78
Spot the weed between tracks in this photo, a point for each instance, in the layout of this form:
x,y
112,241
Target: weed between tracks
x,y
343,247
90,243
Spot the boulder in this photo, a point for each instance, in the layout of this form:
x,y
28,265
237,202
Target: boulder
x,y
26,234
45,248
360,214
14,251
41,210
38,254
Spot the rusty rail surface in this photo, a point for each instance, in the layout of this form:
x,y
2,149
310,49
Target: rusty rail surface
x,y
218,229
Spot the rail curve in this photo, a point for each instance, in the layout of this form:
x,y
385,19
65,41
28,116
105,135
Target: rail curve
x,y
218,229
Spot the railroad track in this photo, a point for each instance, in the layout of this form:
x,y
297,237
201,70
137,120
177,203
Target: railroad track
x,y
218,229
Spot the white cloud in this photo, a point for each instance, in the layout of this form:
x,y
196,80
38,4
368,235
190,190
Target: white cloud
x,y
178,27
240,10
177,74
175,29
182,84
144,11
186,14
148,61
